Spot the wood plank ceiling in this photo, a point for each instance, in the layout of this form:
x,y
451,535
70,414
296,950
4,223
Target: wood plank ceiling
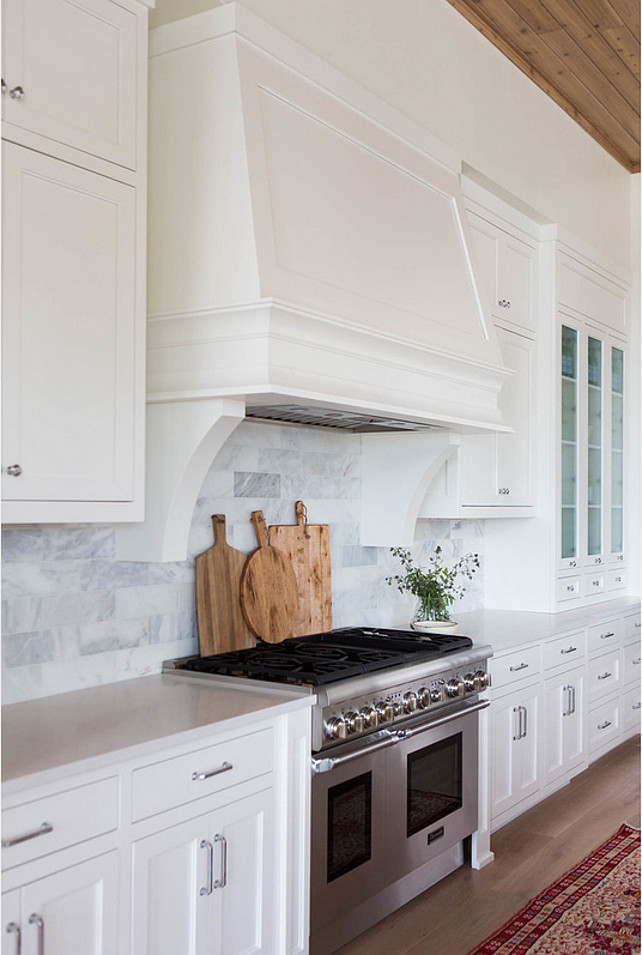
x,y
585,54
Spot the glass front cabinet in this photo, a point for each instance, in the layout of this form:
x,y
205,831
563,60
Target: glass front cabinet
x,y
591,545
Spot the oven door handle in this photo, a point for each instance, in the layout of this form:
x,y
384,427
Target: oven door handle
x,y
328,763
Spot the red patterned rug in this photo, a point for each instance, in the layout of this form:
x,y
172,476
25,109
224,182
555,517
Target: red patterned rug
x,y
592,910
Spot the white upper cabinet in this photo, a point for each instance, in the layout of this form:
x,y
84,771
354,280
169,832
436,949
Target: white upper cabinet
x,y
68,332
71,74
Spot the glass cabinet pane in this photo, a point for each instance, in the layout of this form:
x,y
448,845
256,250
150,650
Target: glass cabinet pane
x,y
569,441
595,424
617,450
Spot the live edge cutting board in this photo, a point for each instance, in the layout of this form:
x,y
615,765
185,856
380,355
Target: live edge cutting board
x,y
308,547
221,624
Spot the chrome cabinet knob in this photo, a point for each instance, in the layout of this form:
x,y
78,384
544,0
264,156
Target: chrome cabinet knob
x,y
14,470
385,712
354,722
410,702
455,687
370,717
336,728
17,93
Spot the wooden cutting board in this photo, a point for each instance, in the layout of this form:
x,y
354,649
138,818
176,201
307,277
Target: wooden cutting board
x,y
221,624
308,547
268,589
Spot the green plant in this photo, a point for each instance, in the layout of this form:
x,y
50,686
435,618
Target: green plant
x,y
436,587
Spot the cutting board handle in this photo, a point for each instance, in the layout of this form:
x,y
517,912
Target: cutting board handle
x,y
218,523
260,529
301,512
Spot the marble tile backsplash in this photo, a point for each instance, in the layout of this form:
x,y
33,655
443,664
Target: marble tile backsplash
x,y
74,616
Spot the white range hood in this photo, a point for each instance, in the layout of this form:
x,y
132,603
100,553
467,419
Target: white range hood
x,y
308,253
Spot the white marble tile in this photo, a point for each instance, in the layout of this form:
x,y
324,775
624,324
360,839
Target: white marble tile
x,y
24,614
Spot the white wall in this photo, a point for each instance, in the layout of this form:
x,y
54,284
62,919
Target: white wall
x,y
425,59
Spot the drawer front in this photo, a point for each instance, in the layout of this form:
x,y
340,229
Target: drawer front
x,y
604,724
569,587
595,583
603,636
632,662
203,772
616,579
56,822
517,665
631,626
565,650
605,674
631,708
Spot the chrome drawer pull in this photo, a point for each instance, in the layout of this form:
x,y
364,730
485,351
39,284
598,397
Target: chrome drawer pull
x,y
223,768
522,666
603,726
12,928
637,624
637,662
40,925
605,636
222,882
14,840
570,650
604,676
634,706
207,890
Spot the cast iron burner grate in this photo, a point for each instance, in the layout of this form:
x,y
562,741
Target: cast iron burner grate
x,y
324,658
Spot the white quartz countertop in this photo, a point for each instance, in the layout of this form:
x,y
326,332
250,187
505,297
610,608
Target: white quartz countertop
x,y
85,729
504,629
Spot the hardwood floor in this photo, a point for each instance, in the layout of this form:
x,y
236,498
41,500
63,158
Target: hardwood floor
x,y
530,853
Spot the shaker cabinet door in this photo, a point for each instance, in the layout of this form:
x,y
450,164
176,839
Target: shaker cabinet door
x,y
71,74
69,333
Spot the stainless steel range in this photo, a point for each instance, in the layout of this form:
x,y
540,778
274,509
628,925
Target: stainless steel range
x,y
394,762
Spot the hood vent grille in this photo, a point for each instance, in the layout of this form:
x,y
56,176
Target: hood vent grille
x,y
355,422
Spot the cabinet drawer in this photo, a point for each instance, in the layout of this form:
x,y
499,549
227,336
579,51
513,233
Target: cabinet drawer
x,y
605,674
594,583
631,626
55,822
604,724
604,635
632,662
202,772
514,666
616,579
569,587
631,708
564,650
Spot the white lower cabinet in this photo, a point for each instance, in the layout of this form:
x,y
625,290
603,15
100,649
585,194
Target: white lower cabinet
x,y
205,886
564,724
74,910
515,749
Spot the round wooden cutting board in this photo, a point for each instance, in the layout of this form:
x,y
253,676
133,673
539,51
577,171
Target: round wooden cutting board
x,y
268,589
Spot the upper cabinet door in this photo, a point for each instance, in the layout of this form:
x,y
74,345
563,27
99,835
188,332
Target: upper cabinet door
x,y
70,70
69,332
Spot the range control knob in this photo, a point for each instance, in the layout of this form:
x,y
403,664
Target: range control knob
x,y
436,694
385,711
397,709
423,695
484,679
370,717
472,682
455,687
410,702
336,728
354,722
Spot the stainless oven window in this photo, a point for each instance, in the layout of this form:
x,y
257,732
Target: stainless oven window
x,y
434,783
349,842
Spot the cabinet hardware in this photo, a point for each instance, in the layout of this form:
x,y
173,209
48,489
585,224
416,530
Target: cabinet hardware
x,y
604,676
567,711
598,560
207,890
14,470
603,726
13,928
620,557
503,303
570,588
223,768
637,662
17,93
522,666
572,563
572,689
634,706
606,636
517,734
40,925
3,88
597,583
637,624
14,840
222,882
503,490
569,650
617,580
525,722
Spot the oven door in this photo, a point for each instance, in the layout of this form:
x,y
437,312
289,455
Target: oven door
x,y
432,801
347,864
